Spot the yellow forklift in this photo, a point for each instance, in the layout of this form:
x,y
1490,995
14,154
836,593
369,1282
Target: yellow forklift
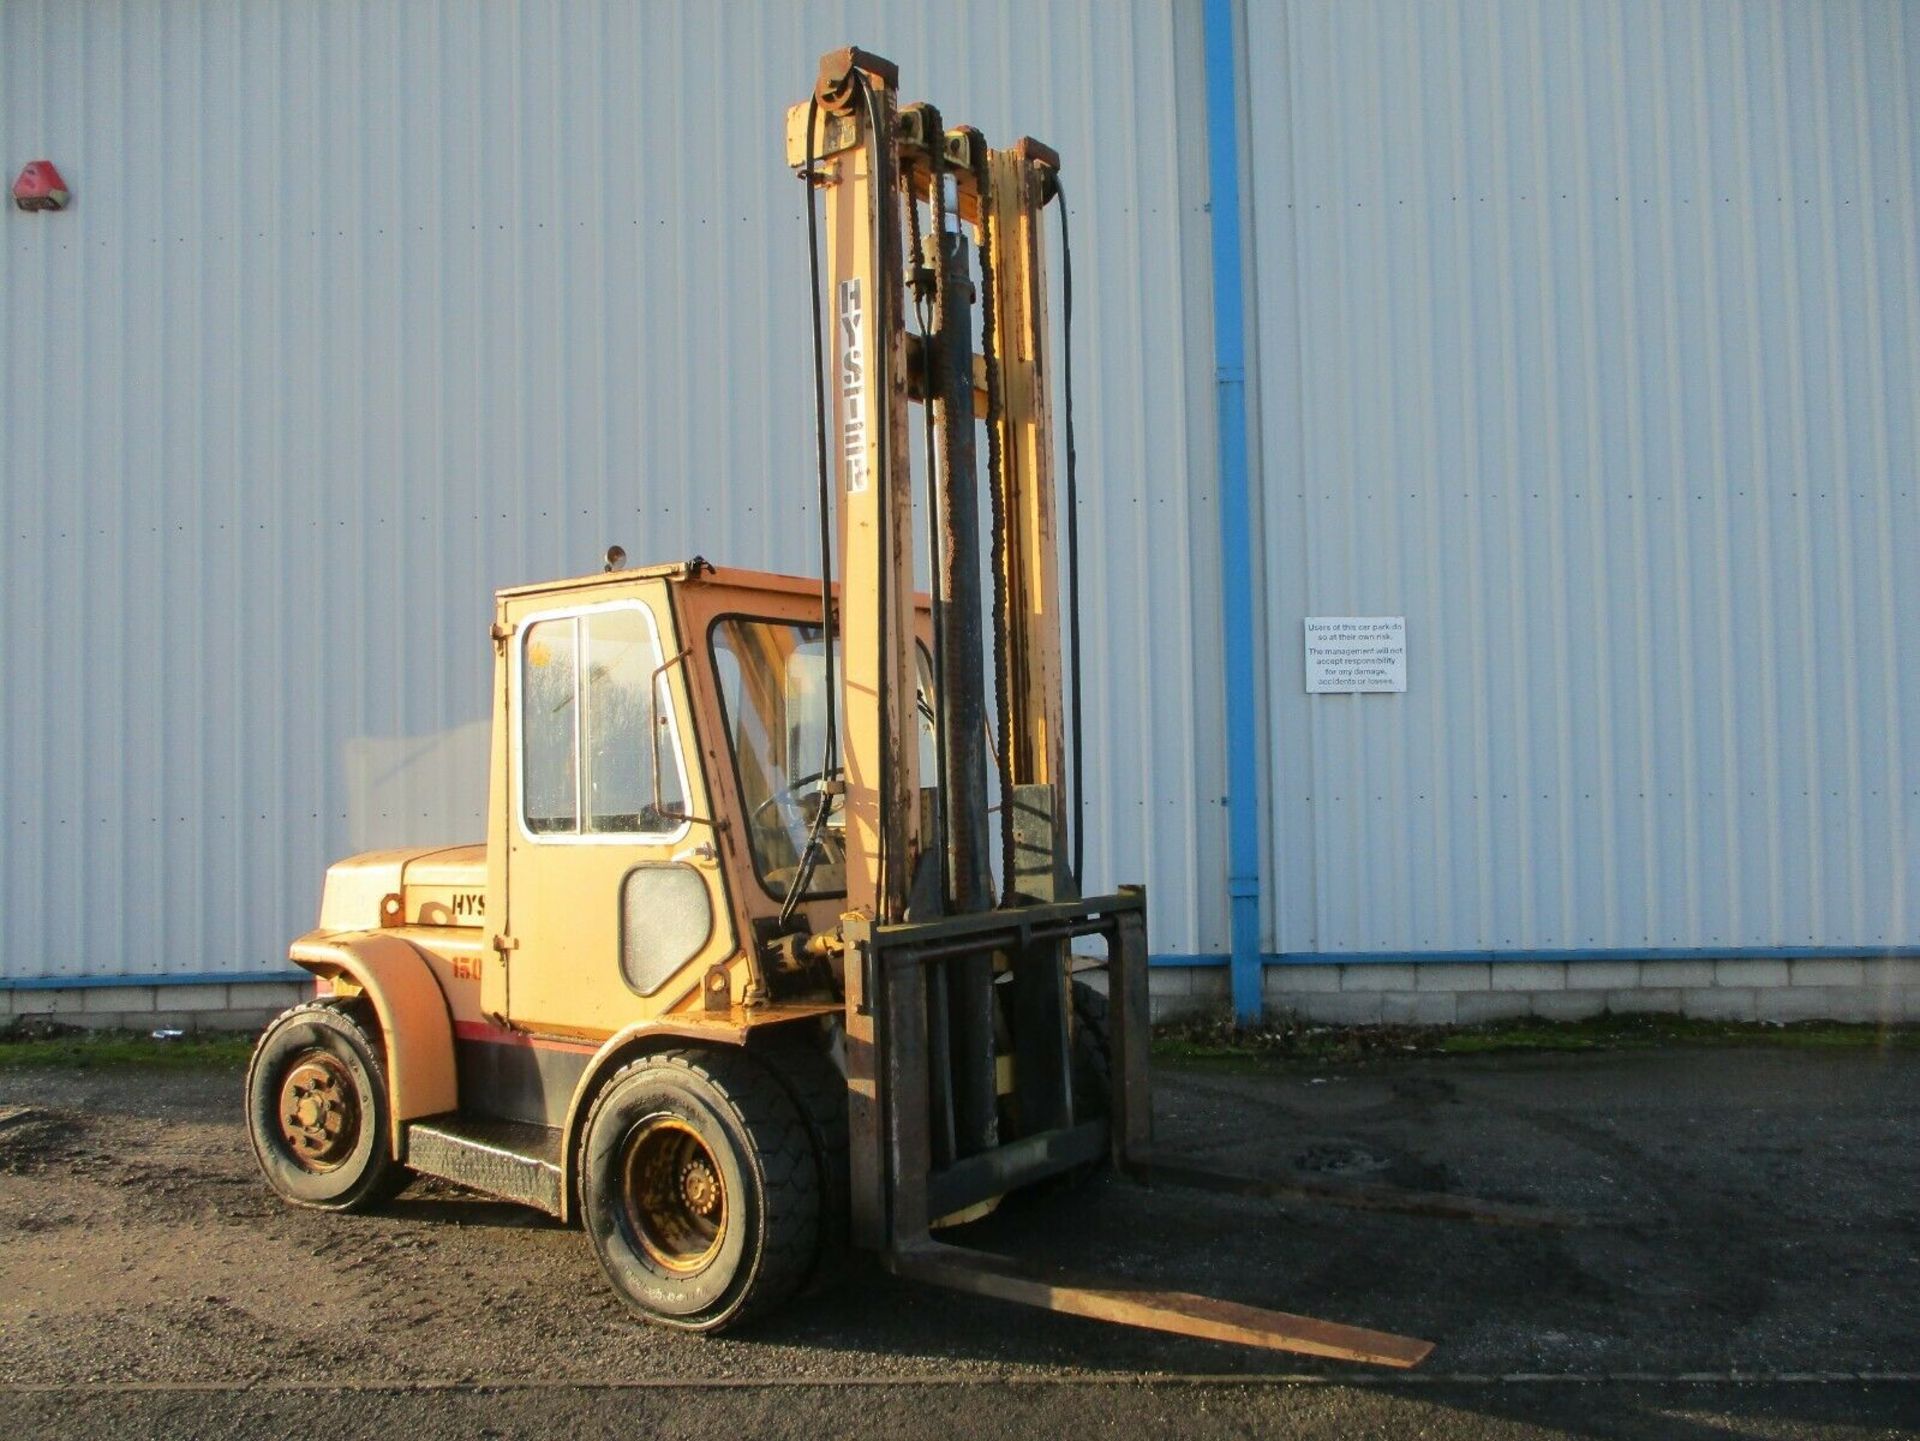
x,y
746,968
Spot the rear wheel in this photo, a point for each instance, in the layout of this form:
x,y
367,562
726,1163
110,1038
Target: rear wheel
x,y
317,1110
699,1189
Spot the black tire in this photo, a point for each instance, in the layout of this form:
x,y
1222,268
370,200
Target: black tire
x,y
318,1112
819,1090
699,1189
1092,1064
1092,1077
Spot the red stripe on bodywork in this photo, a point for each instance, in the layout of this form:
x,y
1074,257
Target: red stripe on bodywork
x,y
501,1036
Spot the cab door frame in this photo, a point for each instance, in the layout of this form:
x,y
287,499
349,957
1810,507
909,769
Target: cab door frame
x,y
558,966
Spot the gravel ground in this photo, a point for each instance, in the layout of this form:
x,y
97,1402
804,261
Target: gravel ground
x,y
1750,1265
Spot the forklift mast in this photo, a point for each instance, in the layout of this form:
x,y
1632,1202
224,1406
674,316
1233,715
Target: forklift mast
x,y
960,1020
929,218
881,166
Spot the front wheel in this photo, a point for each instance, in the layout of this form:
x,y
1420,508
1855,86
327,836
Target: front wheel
x,y
317,1110
699,1189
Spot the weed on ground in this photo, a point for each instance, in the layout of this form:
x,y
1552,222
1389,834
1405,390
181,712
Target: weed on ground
x,y
34,1042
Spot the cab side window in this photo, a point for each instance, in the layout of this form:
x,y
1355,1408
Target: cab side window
x,y
598,755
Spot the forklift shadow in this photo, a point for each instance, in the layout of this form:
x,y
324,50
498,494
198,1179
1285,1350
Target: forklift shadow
x,y
441,1203
1089,1223
954,1337
860,1312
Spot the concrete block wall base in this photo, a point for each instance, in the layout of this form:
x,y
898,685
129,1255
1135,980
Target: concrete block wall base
x,y
1450,993
1366,994
242,1006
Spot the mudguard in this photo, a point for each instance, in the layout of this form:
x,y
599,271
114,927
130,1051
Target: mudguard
x,y
415,1025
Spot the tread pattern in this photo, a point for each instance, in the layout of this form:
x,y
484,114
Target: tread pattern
x,y
819,1090
782,1153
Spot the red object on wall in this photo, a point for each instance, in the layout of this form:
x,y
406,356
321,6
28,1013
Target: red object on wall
x,y
40,187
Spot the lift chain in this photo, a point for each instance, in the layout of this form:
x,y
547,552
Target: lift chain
x,y
919,274
922,286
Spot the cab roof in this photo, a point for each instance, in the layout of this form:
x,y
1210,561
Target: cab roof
x,y
680,571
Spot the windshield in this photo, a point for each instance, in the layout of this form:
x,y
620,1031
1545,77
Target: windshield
x,y
772,679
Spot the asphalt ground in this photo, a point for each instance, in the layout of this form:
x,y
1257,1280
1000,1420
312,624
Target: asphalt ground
x,y
1746,1263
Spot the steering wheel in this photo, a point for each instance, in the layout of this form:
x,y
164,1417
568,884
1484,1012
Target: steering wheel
x,y
788,795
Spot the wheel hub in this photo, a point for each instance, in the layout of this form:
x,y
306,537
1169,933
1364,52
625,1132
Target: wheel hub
x,y
675,1196
700,1187
319,1110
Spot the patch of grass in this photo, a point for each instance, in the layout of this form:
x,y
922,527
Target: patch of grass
x,y
1291,1039
41,1047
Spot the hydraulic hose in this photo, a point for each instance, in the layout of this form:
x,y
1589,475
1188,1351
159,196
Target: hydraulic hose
x,y
1073,548
803,870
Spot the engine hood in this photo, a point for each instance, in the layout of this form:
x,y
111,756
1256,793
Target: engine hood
x,y
438,886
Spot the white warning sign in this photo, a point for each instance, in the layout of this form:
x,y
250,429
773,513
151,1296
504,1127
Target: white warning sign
x,y
1347,653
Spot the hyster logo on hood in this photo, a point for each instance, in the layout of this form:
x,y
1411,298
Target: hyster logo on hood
x,y
853,394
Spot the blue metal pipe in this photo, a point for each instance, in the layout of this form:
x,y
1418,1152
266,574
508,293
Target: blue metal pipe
x,y
1236,527
153,978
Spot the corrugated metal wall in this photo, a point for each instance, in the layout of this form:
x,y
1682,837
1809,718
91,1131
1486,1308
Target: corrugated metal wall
x,y
1587,336
362,309
1589,340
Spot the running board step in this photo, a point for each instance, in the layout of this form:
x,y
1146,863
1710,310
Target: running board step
x,y
509,1159
1179,1312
